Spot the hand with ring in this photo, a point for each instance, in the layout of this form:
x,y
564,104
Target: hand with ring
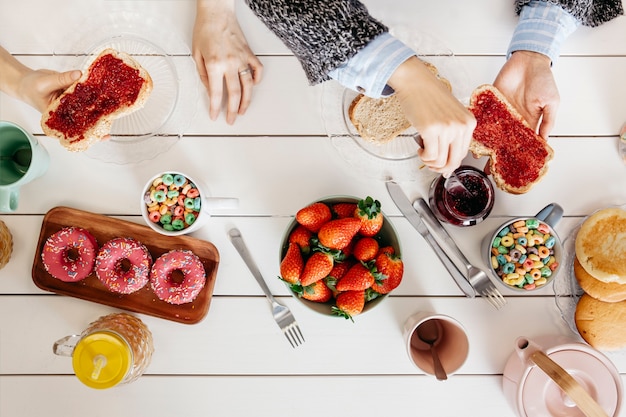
x,y
223,58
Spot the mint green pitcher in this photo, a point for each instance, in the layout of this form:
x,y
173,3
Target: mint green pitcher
x,y
22,159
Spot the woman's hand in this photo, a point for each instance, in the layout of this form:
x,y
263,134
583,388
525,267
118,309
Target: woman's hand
x,y
444,124
527,82
223,58
41,87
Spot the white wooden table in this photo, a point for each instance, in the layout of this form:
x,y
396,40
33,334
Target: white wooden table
x,y
276,159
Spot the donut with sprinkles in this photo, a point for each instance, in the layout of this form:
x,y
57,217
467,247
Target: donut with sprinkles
x,y
123,265
177,277
69,254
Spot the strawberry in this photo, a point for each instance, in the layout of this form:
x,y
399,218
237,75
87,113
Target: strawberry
x,y
371,216
365,249
318,292
359,277
292,264
387,249
338,271
337,234
302,236
349,304
343,210
318,266
392,267
314,216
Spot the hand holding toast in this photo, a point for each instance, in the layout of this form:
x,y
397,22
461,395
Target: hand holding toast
x,y
526,80
443,122
223,58
37,88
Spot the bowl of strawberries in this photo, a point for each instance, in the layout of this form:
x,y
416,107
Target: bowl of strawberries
x,y
341,256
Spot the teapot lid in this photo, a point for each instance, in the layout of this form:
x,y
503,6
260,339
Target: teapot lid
x,y
101,359
541,396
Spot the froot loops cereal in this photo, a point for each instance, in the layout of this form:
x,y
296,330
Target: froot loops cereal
x,y
173,202
522,254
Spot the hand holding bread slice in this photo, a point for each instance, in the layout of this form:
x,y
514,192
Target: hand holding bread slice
x,y
113,86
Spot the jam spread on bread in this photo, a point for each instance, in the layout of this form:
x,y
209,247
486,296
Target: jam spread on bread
x,y
514,144
111,84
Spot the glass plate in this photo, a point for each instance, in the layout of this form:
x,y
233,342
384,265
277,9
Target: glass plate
x,y
566,289
397,158
153,129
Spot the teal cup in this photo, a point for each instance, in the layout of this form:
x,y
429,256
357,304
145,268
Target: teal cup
x,y
22,159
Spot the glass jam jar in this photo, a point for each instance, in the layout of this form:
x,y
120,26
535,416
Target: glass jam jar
x,y
113,350
461,207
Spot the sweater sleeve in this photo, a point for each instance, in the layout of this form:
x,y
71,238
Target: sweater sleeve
x,y
322,34
587,12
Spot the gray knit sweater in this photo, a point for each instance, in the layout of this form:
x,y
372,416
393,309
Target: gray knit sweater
x,y
323,34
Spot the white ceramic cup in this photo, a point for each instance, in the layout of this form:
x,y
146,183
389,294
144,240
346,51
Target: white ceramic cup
x,y
207,204
22,159
452,345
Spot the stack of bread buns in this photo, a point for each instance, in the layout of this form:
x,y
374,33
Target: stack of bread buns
x,y
600,269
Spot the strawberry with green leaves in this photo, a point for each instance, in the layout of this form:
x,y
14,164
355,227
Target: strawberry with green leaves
x,y
349,304
338,234
292,264
317,267
359,277
318,292
391,266
302,236
365,249
371,216
314,216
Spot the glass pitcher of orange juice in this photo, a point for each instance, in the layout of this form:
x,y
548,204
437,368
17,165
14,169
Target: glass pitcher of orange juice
x,y
113,350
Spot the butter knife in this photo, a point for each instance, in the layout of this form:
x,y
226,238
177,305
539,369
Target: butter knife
x,y
406,208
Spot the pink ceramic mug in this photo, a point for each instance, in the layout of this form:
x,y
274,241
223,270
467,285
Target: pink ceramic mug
x,y
452,345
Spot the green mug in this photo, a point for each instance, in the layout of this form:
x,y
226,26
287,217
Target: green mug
x,y
22,159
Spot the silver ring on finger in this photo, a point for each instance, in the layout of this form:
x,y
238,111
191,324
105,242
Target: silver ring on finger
x,y
245,71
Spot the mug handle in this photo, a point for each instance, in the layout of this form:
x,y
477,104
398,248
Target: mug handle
x,y
8,199
550,214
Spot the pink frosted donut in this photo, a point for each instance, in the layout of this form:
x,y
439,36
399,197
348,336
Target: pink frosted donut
x,y
123,265
69,254
165,283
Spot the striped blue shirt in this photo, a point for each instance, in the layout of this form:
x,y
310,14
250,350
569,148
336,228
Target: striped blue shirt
x,y
542,28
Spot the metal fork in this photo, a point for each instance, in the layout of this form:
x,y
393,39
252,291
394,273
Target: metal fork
x,y
282,315
477,277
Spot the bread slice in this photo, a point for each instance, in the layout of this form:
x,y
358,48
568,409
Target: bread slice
x,y
518,156
602,325
601,245
113,86
380,120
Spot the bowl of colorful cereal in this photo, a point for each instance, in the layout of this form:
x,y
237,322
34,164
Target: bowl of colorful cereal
x,y
525,253
172,203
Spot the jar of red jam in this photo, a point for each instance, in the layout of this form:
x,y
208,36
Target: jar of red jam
x,y
462,206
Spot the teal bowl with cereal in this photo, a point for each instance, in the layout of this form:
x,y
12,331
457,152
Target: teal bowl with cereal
x,y
525,253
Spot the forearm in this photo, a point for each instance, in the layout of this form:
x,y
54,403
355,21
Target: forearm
x,y
212,9
11,72
322,34
587,12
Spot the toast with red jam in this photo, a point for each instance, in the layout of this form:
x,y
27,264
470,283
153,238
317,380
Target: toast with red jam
x,y
518,156
113,86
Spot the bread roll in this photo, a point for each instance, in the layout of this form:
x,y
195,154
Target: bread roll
x,y
518,156
601,245
114,85
609,292
601,324
6,244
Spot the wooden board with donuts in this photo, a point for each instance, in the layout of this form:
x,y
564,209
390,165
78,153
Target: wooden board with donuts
x,y
69,262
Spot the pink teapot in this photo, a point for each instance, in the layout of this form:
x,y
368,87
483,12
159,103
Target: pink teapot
x,y
532,392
